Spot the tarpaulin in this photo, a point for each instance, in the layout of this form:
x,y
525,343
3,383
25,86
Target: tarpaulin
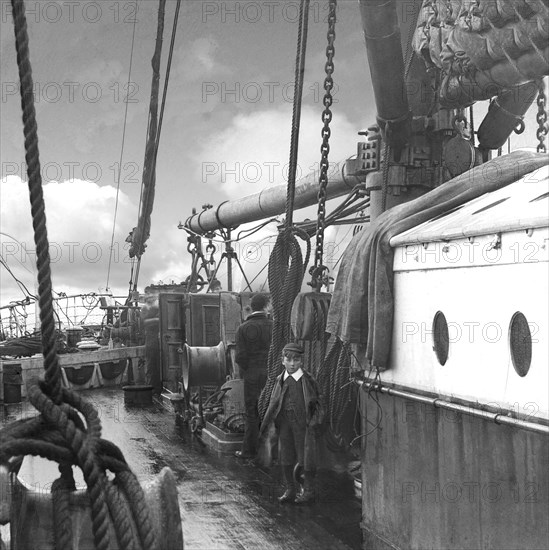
x,y
361,310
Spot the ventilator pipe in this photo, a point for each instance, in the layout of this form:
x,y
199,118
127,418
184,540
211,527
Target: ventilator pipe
x,y
271,201
505,115
384,48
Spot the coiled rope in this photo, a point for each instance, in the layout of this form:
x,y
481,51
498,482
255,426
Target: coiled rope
x,y
285,275
334,378
59,433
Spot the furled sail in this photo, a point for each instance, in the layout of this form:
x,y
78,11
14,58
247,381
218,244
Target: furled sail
x,y
141,233
478,48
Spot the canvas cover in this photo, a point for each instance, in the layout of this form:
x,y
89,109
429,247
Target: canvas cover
x,y
361,310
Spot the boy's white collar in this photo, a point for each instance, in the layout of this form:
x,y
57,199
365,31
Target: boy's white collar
x,y
296,375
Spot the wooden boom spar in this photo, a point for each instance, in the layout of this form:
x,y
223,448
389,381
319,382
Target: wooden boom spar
x,y
271,201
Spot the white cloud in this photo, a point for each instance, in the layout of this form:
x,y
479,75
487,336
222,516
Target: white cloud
x,y
102,72
253,152
198,60
79,222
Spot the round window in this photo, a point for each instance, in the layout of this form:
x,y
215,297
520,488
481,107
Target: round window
x,y
441,338
520,342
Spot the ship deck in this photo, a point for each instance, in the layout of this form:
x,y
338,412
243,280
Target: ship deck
x,y
225,503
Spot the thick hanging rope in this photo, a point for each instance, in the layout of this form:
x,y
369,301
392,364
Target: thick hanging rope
x,y
59,433
296,108
286,270
141,233
286,267
30,131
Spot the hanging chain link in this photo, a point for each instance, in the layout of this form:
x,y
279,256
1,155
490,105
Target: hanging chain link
x,y
210,264
541,117
460,124
325,147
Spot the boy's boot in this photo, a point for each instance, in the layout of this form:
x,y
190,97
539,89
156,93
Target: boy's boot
x,y
290,492
308,494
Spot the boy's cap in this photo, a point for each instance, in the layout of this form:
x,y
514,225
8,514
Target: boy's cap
x,y
258,302
293,347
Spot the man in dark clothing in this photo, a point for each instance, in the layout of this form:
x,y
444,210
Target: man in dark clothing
x,y
253,340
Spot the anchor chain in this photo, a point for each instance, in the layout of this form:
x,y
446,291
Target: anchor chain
x,y
541,117
318,271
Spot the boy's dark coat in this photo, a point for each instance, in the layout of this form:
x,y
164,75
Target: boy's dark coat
x,y
314,418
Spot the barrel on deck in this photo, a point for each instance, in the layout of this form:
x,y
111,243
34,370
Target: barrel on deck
x,y
139,394
74,335
12,380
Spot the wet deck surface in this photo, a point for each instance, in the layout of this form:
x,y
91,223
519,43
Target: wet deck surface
x,y
225,503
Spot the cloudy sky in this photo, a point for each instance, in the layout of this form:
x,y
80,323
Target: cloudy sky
x,y
229,105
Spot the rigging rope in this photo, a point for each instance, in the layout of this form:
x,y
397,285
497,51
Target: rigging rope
x,y
286,268
59,433
147,197
166,81
140,233
20,284
284,283
144,223
121,151
296,109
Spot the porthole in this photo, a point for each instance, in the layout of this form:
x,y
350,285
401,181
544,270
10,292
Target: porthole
x,y
441,338
520,343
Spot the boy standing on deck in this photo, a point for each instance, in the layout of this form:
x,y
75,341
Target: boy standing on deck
x,y
296,411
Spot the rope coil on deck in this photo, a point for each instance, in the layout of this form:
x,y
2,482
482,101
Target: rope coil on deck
x,y
59,433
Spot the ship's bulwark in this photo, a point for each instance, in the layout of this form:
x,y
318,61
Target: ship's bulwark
x,y
437,478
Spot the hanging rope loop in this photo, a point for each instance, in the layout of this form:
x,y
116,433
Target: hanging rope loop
x,y
286,268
